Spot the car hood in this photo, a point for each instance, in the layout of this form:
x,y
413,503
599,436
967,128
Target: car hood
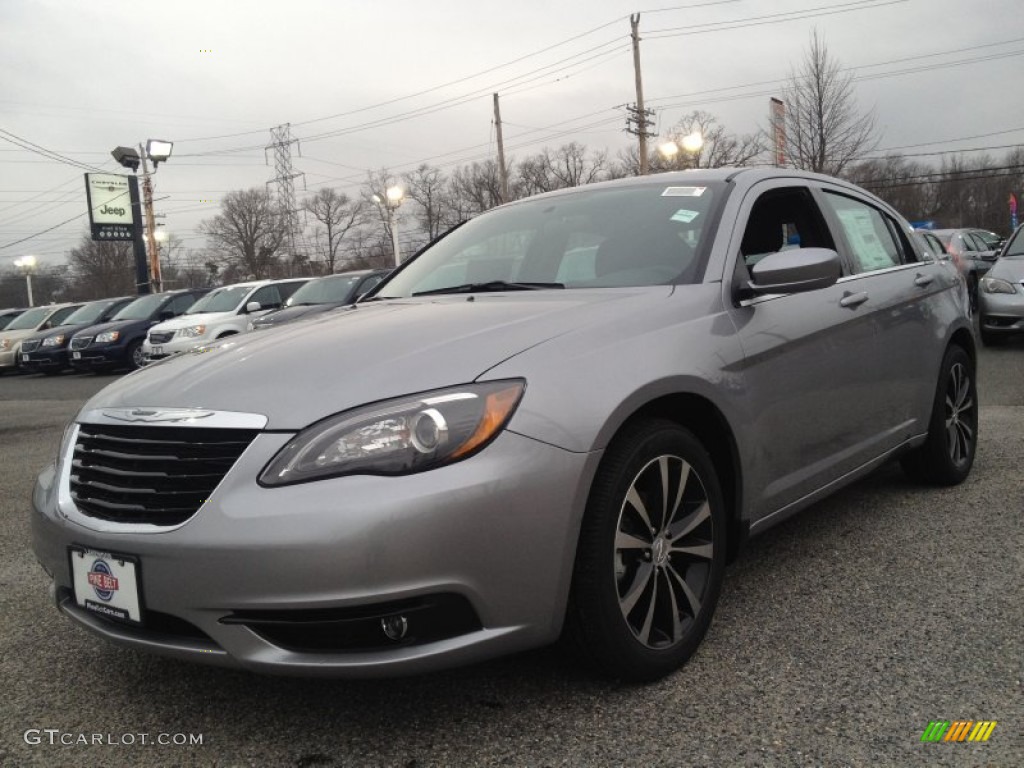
x,y
184,321
65,330
1011,269
373,351
287,314
125,326
14,336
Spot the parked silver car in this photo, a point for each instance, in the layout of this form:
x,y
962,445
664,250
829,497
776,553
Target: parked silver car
x,y
565,415
1002,293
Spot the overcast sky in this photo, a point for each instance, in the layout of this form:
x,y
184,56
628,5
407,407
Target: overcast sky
x,y
368,85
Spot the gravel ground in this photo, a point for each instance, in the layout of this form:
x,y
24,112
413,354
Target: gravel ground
x,y
839,636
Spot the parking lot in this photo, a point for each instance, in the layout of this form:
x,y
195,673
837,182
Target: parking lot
x,y
840,635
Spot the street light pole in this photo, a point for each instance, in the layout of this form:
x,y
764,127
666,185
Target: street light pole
x,y
27,264
394,236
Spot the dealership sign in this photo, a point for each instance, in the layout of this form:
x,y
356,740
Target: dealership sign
x,y
111,198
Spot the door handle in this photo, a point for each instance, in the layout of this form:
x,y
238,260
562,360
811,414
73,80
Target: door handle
x,y
853,299
923,280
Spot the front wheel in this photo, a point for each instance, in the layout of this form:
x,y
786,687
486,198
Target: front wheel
x,y
651,554
948,453
136,359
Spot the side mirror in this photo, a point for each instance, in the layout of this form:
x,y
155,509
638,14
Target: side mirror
x,y
253,306
796,271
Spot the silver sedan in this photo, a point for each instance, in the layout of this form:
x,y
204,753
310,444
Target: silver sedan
x,y
561,420
1002,293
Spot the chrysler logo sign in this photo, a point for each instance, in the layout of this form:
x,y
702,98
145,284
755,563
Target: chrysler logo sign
x,y
156,415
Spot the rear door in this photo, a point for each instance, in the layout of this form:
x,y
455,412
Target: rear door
x,y
897,286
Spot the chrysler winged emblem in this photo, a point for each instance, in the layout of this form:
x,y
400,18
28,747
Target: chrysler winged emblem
x,y
156,415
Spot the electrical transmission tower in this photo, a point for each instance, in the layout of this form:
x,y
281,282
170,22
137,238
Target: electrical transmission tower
x,y
281,142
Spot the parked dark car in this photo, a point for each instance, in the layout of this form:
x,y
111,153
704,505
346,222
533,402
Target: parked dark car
x,y
48,352
7,315
118,344
321,295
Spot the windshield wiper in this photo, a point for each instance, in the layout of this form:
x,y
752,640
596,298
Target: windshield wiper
x,y
493,285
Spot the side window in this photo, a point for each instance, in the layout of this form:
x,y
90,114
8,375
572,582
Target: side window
x,y
783,219
368,283
976,243
268,296
179,304
873,244
285,290
59,315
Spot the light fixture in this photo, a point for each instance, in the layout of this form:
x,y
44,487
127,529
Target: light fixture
x,y
158,150
127,157
395,195
693,142
669,149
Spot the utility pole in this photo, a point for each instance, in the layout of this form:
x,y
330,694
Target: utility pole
x,y
152,247
638,115
501,151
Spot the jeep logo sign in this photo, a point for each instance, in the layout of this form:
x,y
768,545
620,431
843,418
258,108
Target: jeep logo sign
x,y
109,198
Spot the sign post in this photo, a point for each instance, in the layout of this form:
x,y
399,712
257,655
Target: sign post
x,y
115,215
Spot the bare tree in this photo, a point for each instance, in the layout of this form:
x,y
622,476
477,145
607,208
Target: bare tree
x,y
102,269
825,132
426,187
336,214
247,234
571,165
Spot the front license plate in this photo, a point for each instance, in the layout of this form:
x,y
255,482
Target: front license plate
x,y
157,351
24,358
76,355
106,584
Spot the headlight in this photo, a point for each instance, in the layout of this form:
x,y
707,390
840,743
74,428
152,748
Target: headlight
x,y
398,437
53,341
192,331
995,285
108,336
5,344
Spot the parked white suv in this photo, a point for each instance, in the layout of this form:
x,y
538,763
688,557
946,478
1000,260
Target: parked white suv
x,y
221,312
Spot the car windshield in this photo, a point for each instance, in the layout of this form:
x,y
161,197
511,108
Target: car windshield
x,y
90,313
30,319
142,308
647,234
1015,248
323,291
221,300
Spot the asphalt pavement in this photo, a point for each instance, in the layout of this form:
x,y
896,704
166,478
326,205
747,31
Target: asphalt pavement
x,y
839,636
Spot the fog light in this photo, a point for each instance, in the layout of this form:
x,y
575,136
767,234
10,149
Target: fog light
x,y
395,627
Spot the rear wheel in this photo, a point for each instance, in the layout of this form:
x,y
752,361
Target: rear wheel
x,y
948,453
651,554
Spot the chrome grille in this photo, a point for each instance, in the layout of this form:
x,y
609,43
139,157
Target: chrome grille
x,y
161,337
150,474
30,346
80,342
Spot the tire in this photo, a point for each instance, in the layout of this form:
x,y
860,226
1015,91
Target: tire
x,y
134,355
948,453
644,588
972,294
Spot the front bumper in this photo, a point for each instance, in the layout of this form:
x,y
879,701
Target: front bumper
x,y
99,357
1002,312
497,531
9,357
45,359
176,346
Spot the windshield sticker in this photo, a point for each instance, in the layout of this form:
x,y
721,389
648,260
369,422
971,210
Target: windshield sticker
x,y
683,191
685,216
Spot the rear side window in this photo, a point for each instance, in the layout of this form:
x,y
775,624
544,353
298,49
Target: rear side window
x,y
873,242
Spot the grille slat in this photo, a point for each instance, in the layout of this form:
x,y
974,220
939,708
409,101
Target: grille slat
x,y
81,342
159,475
29,346
161,337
